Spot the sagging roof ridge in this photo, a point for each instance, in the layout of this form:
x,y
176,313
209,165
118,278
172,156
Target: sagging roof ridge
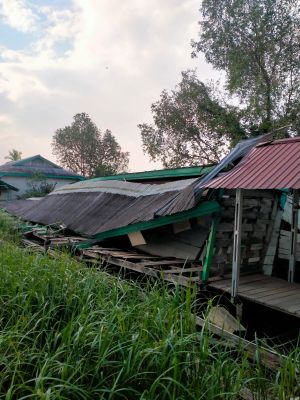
x,y
133,189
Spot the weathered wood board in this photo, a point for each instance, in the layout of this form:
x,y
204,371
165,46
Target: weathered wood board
x,y
266,290
285,245
184,245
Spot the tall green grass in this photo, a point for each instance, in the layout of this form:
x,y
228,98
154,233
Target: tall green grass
x,y
68,332
8,227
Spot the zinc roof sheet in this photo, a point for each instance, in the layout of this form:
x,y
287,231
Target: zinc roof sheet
x,y
274,165
90,207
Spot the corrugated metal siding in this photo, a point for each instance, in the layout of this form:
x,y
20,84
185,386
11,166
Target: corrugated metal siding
x,y
274,165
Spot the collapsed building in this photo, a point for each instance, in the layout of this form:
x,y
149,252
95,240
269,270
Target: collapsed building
x,y
233,226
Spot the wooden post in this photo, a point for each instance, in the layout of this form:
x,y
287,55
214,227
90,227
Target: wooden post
x,y
294,233
237,235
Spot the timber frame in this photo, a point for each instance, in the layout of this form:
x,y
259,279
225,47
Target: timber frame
x,y
236,261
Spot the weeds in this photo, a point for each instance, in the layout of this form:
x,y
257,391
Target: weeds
x,y
68,332
8,227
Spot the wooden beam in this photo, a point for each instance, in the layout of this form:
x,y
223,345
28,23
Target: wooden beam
x,y
204,208
294,232
237,235
267,357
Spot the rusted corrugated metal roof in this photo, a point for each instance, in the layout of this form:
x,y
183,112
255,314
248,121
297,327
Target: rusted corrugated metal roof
x,y
273,165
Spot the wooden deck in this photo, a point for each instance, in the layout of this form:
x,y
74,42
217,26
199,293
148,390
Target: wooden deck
x,y
271,292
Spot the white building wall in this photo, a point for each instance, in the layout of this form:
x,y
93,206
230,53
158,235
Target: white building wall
x,y
5,194
23,184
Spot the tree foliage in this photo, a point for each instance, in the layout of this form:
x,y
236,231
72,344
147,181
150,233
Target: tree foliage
x,y
14,155
190,125
257,44
82,148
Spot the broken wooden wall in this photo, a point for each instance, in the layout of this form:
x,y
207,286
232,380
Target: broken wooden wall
x,y
285,232
183,241
258,219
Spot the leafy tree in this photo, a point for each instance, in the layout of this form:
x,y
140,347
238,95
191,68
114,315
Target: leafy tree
x,y
113,160
14,155
82,148
190,125
256,43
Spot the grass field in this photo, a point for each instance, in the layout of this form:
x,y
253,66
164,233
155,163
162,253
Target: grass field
x,y
69,332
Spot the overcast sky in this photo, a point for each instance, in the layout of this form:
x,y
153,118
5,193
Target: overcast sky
x,y
109,58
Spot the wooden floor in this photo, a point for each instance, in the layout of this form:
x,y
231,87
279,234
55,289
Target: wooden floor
x,y
271,292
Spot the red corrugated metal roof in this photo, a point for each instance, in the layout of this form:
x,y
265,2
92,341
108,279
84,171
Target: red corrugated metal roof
x,y
274,165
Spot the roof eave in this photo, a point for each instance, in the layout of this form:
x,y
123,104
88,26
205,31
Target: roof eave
x,y
27,174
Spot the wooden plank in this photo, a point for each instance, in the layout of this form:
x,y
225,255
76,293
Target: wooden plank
x,y
261,291
182,270
268,358
181,245
253,260
256,246
224,283
99,254
266,284
271,292
295,308
274,292
254,277
181,280
285,243
286,256
294,298
119,253
161,262
288,210
283,300
287,234
253,282
282,297
136,238
272,239
286,252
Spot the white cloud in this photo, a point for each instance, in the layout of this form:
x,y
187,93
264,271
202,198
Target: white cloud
x,y
5,120
18,15
119,58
